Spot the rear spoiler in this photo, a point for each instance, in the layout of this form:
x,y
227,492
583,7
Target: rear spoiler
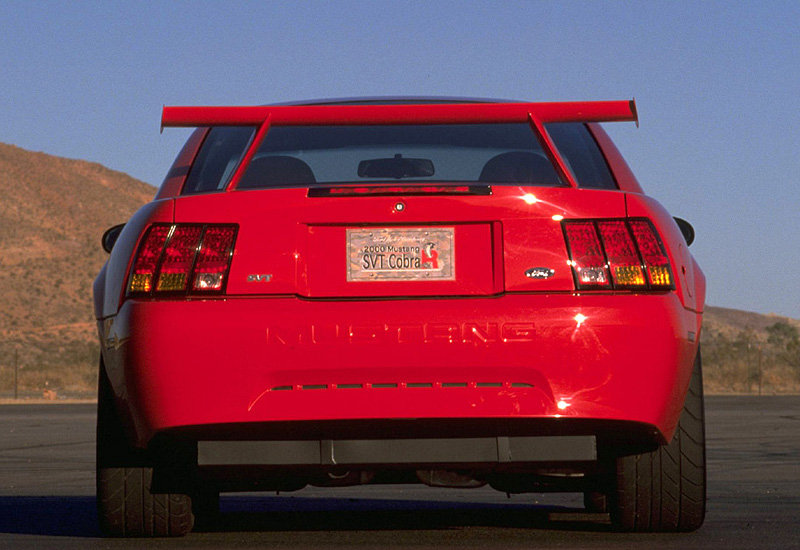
x,y
536,114
450,113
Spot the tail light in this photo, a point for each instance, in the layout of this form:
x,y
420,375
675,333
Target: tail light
x,y
147,258
589,265
214,258
183,259
617,254
655,258
178,257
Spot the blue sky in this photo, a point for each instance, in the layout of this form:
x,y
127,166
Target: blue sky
x,y
717,85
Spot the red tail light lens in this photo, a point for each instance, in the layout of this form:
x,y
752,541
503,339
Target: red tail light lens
x,y
619,254
623,260
176,262
144,268
659,274
587,260
183,258
214,259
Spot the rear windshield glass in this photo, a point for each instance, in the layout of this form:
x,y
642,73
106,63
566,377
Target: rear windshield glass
x,y
292,156
221,152
582,155
491,153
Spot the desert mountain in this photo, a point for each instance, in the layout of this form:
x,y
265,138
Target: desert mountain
x,y
746,352
53,212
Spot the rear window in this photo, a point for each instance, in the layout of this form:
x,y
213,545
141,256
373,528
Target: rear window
x,y
491,153
582,154
302,156
218,158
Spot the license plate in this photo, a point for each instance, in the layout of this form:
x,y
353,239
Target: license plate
x,y
395,254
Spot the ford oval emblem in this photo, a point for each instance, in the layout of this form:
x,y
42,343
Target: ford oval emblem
x,y
540,273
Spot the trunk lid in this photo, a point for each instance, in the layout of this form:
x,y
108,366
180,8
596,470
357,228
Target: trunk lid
x,y
399,246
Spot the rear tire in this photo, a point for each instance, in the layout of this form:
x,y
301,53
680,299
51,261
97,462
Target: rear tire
x,y
665,490
125,505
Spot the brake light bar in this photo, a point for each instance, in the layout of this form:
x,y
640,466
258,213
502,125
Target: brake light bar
x,y
183,259
390,190
617,254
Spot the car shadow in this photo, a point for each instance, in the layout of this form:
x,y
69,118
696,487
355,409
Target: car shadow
x,y
350,514
64,516
76,516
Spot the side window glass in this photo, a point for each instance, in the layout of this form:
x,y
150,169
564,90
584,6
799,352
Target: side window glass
x,y
221,152
582,154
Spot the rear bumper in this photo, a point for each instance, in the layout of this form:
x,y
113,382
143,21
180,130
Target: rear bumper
x,y
254,362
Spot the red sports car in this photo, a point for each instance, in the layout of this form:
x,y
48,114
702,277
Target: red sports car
x,y
450,292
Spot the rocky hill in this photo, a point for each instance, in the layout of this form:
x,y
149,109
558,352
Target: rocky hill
x,y
746,352
53,212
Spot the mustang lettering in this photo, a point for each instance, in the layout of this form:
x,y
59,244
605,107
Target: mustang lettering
x,y
426,333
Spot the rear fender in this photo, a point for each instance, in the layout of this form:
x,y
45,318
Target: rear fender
x,y
689,278
679,256
116,270
98,292
699,286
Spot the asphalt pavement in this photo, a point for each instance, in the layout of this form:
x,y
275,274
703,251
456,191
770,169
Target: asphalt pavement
x,y
47,496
